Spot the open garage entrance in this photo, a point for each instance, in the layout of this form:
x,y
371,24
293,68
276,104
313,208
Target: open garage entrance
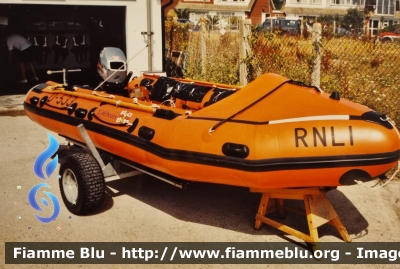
x,y
64,36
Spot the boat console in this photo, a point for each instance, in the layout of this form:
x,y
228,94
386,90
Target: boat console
x,y
179,93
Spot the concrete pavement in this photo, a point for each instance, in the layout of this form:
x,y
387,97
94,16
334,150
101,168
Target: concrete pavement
x,y
144,209
12,105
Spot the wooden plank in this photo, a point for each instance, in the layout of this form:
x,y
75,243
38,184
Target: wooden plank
x,y
289,196
341,229
295,210
262,208
281,208
278,193
321,209
313,230
286,229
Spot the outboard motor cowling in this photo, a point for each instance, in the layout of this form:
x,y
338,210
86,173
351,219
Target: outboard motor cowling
x,y
111,65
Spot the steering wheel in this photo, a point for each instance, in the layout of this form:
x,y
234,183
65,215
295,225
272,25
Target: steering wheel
x,y
169,101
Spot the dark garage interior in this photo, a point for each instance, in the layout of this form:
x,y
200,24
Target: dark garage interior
x,y
64,36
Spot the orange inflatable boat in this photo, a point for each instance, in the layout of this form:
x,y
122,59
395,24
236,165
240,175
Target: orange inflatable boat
x,y
272,133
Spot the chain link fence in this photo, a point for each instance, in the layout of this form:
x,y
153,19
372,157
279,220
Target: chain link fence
x,y
363,70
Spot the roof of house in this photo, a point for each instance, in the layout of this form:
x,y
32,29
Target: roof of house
x,y
210,7
314,11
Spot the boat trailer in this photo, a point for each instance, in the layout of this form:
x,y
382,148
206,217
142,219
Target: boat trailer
x,y
318,209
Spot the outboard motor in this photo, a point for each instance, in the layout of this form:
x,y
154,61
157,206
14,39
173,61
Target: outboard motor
x,y
111,67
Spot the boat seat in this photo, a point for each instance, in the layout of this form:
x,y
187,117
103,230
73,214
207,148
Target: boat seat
x,y
146,82
162,89
185,95
190,92
217,95
197,97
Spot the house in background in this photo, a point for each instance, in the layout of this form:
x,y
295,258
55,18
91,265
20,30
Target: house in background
x,y
256,10
383,13
379,13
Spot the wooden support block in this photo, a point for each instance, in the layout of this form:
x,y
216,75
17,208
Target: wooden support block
x,y
285,228
297,194
294,210
340,227
281,208
262,209
312,227
319,211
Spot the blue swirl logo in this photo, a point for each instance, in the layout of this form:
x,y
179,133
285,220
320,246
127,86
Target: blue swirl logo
x,y
35,205
45,155
49,168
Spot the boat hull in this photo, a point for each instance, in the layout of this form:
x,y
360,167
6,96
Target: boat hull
x,y
255,148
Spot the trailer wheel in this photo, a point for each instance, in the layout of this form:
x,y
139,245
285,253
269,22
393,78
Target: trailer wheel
x,y
81,183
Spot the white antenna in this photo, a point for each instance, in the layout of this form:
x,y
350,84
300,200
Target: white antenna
x,y
64,71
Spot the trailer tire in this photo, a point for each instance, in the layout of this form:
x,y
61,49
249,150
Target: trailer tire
x,y
82,183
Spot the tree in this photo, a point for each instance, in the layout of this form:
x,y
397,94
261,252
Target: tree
x,y
326,19
182,13
391,28
354,19
171,14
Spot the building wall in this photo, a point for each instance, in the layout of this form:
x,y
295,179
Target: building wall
x,y
256,14
306,4
167,5
136,23
199,1
378,19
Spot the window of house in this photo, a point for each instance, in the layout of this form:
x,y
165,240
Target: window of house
x,y
379,9
398,5
359,2
374,27
391,7
385,7
385,23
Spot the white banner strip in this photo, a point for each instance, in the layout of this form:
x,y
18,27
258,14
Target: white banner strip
x,y
312,118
